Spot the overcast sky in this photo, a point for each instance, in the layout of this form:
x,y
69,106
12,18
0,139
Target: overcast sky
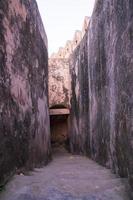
x,y
61,18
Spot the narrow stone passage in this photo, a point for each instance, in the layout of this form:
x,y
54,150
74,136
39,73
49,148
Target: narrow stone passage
x,y
67,177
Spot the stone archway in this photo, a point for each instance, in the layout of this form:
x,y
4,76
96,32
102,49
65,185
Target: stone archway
x,y
59,116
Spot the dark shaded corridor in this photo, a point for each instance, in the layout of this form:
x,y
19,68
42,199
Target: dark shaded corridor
x,y
59,128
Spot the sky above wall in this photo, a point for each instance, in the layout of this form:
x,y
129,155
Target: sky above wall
x,y
62,18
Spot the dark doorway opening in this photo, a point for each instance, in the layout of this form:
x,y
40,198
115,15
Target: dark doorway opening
x,y
59,127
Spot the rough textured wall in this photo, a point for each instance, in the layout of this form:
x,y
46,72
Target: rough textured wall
x,y
111,85
79,112
24,120
59,82
102,85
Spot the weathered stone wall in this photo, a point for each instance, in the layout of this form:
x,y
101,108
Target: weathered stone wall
x,y
79,112
111,85
102,87
59,82
24,117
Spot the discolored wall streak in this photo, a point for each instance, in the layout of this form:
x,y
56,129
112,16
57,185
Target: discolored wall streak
x,y
24,117
111,85
79,109
108,85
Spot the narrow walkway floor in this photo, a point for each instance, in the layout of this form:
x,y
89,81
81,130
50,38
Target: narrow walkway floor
x,y
67,177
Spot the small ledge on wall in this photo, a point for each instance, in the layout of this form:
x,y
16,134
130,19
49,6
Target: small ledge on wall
x,y
59,111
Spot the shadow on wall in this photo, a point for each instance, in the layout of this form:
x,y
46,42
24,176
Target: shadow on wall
x,y
59,116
